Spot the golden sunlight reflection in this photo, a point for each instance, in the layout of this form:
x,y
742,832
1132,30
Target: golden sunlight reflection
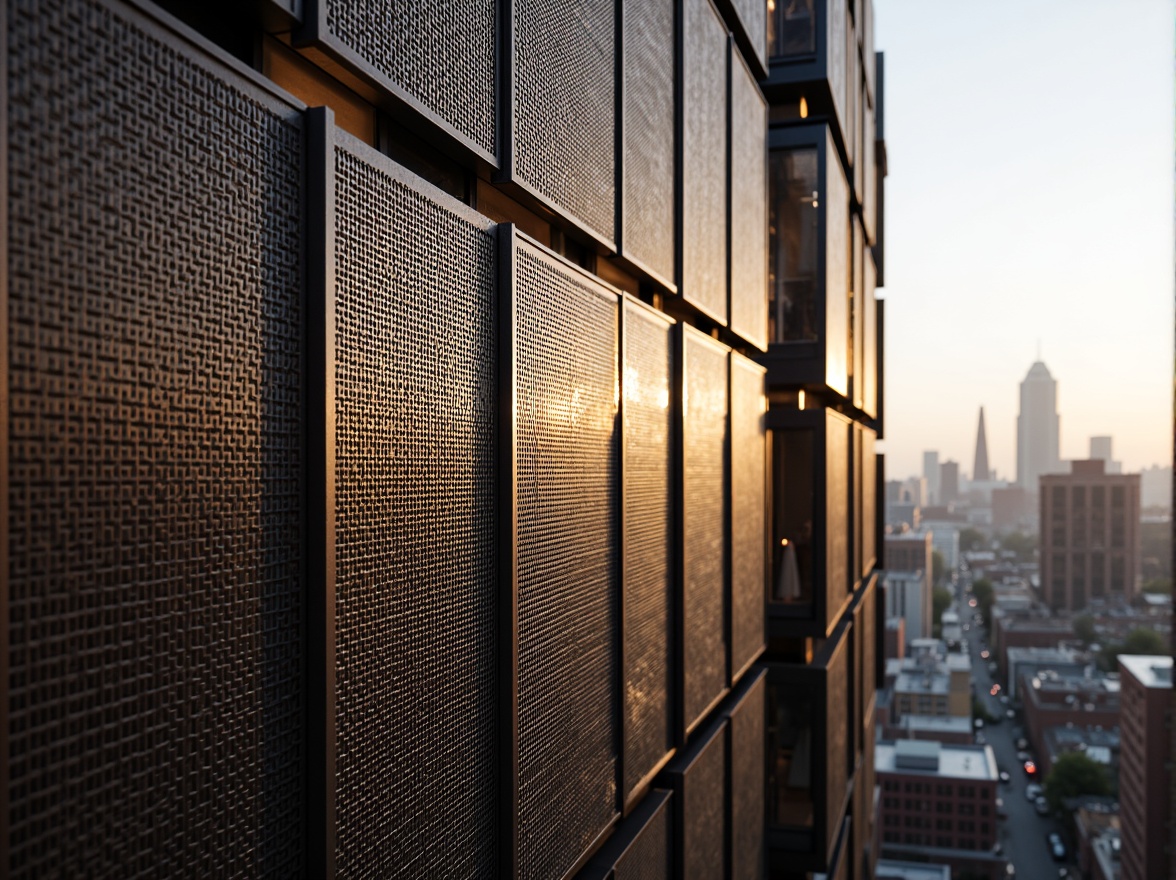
x,y
803,108
648,393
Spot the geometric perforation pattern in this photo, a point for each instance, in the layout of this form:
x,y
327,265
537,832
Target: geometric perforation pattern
x,y
704,835
155,709
748,519
564,121
749,224
648,160
441,54
648,600
567,457
704,163
704,486
747,785
415,531
649,856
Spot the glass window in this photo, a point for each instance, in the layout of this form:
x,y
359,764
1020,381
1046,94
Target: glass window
x,y
793,505
793,244
792,28
791,756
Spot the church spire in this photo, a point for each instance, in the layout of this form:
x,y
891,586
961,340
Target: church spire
x,y
980,470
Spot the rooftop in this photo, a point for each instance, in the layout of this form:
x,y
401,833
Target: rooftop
x,y
937,723
889,869
954,761
1148,669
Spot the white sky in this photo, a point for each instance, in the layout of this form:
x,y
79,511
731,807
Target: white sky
x,y
1030,197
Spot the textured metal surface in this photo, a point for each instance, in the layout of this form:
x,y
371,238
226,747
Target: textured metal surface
x,y
837,549
441,55
564,106
867,635
749,208
838,269
704,159
869,501
704,492
748,771
415,532
753,15
648,521
155,458
704,836
748,514
648,858
568,456
647,191
836,737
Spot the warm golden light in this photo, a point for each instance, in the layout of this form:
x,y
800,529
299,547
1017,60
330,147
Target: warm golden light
x,y
783,542
803,108
800,399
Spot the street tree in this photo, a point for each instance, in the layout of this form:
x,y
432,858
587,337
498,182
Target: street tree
x,y
1075,774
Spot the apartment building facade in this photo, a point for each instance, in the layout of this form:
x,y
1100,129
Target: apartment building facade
x,y
408,420
1145,772
1090,536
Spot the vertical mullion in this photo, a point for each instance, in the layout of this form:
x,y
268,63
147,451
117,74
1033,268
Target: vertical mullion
x,y
319,611
508,597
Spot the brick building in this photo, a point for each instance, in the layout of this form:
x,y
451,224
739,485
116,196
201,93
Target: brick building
x,y
1144,768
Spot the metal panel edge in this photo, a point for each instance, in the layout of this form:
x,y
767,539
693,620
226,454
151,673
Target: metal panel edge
x,y
314,33
319,635
5,478
745,363
508,587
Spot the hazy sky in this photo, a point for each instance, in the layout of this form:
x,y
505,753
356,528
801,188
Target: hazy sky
x,y
1030,197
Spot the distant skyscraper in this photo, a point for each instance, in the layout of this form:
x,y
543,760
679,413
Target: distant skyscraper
x,y
1037,427
980,468
1100,448
931,475
949,482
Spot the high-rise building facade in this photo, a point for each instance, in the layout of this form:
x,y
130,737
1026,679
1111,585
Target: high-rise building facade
x,y
1090,536
931,475
1145,773
949,482
392,485
1038,427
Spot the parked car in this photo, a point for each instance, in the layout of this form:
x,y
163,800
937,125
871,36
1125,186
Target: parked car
x,y
1033,791
1004,777
1041,805
1056,847
1022,743
1002,811
1023,756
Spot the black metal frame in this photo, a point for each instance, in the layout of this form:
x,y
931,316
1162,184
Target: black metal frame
x,y
676,775
820,617
737,706
803,362
606,860
5,478
754,52
508,598
627,802
319,634
813,849
688,726
315,33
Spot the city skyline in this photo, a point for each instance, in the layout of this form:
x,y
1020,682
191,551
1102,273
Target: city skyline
x,y
1062,226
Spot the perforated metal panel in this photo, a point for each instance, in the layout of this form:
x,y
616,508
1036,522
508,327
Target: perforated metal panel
x,y
704,492
155,457
704,836
704,159
649,856
836,736
567,447
837,547
753,16
749,206
647,195
564,107
440,56
869,501
648,523
415,528
748,771
748,514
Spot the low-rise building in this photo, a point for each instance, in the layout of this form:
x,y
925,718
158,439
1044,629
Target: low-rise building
x,y
1050,699
930,681
939,803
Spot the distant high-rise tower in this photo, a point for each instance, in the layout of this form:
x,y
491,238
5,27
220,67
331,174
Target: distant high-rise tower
x,y
931,475
980,468
1100,448
949,482
1037,427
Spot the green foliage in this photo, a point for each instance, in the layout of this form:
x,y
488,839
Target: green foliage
x,y
938,568
1144,641
1084,628
980,711
985,594
972,539
1161,585
940,602
1024,546
1075,774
